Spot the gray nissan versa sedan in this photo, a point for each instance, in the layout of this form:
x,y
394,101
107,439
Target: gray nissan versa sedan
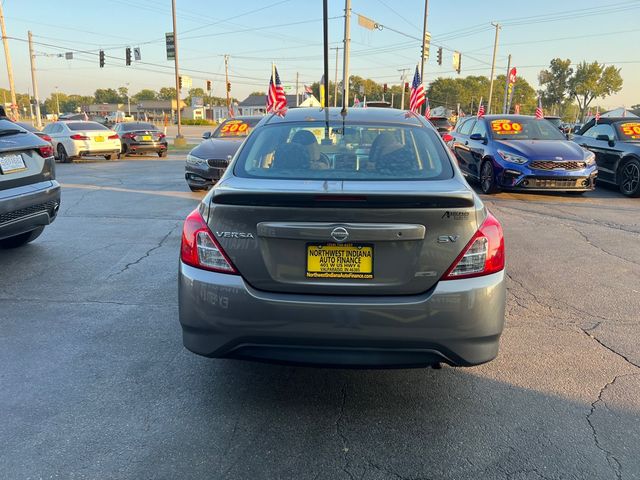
x,y
343,240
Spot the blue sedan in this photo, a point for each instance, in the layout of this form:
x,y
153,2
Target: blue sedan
x,y
519,152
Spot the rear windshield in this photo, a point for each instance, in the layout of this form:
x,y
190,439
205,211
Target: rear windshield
x,y
557,122
137,126
86,126
350,152
440,122
524,128
235,127
629,130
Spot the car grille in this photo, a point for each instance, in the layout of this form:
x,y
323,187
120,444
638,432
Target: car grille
x,y
48,207
553,165
216,163
551,182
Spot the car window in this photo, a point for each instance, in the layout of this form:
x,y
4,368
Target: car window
x,y
629,130
136,126
350,152
75,126
236,127
601,129
524,128
465,128
480,128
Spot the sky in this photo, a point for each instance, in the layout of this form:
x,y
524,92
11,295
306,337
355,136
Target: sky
x,y
289,32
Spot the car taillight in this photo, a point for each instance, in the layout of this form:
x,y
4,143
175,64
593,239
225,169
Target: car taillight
x,y
129,135
483,255
114,137
77,136
46,138
46,152
447,137
161,135
200,249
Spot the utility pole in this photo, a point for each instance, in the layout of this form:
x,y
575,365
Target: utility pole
x,y
7,55
128,100
297,96
392,95
347,44
493,66
424,38
179,140
34,81
506,86
57,102
335,82
226,82
403,80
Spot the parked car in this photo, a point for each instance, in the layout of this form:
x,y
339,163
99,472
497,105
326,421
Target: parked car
x,y
207,162
141,137
30,128
616,145
555,121
521,152
74,139
117,117
442,124
364,248
29,193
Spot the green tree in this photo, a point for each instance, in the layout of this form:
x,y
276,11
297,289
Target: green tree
x,y
593,80
107,95
167,93
523,95
145,94
555,82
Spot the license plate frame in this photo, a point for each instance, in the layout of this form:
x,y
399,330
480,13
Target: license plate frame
x,y
12,163
344,265
147,138
99,138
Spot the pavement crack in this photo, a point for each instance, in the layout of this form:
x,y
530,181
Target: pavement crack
x,y
598,247
146,254
340,433
604,345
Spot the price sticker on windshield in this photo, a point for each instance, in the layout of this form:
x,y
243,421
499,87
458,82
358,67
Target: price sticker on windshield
x,y
631,130
234,127
506,127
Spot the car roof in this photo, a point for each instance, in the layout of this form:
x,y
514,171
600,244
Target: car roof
x,y
509,116
353,115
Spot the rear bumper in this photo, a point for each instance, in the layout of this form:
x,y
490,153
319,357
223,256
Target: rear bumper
x,y
28,207
459,322
133,147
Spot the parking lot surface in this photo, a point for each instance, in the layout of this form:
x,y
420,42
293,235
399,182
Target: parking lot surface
x,y
95,382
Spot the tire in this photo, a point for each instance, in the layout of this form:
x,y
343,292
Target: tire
x,y
194,189
22,239
162,153
488,178
111,156
62,154
123,151
629,178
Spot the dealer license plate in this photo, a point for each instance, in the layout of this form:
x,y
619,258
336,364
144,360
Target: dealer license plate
x,y
12,163
146,138
99,139
331,260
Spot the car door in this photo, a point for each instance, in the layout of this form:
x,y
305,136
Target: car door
x,y
461,144
477,148
606,152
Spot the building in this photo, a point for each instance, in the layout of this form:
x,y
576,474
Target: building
x,y
257,104
155,110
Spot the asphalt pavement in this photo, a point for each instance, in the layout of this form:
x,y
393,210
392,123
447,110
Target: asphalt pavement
x,y
95,383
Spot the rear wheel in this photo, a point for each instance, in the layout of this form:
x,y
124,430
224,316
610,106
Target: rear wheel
x,y
630,178
488,178
111,156
123,151
162,153
196,189
62,154
22,239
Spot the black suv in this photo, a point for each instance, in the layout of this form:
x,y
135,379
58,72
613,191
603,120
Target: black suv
x,y
29,193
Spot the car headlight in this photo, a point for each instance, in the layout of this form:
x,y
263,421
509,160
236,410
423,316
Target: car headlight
x,y
589,158
193,160
512,157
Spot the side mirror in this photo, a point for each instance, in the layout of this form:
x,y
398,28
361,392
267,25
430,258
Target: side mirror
x,y
206,135
478,137
606,138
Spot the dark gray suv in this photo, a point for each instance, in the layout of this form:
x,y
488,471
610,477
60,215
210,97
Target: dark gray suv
x,y
29,193
343,240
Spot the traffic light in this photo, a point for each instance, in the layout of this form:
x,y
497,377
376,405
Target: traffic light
x,y
459,63
180,82
440,56
406,85
127,56
384,88
101,58
208,85
228,86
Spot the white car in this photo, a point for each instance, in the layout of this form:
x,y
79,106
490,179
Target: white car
x,y
80,138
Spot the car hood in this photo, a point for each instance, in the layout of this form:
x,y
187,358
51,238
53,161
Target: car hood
x,y
218,148
543,149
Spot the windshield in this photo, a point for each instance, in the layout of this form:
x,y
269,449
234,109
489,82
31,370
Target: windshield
x,y
629,130
236,127
440,122
556,122
351,152
524,128
75,126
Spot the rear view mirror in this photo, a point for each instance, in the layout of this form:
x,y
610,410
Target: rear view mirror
x,y
206,135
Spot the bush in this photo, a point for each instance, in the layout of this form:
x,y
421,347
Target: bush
x,y
197,122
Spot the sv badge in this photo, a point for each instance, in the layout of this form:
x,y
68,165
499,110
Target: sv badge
x,y
448,238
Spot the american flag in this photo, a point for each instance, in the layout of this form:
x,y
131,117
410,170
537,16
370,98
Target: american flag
x,y
597,114
276,99
417,93
308,89
539,112
356,102
427,110
481,110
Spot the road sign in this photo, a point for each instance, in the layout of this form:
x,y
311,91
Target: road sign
x,y
457,61
427,45
171,46
197,102
68,55
187,82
